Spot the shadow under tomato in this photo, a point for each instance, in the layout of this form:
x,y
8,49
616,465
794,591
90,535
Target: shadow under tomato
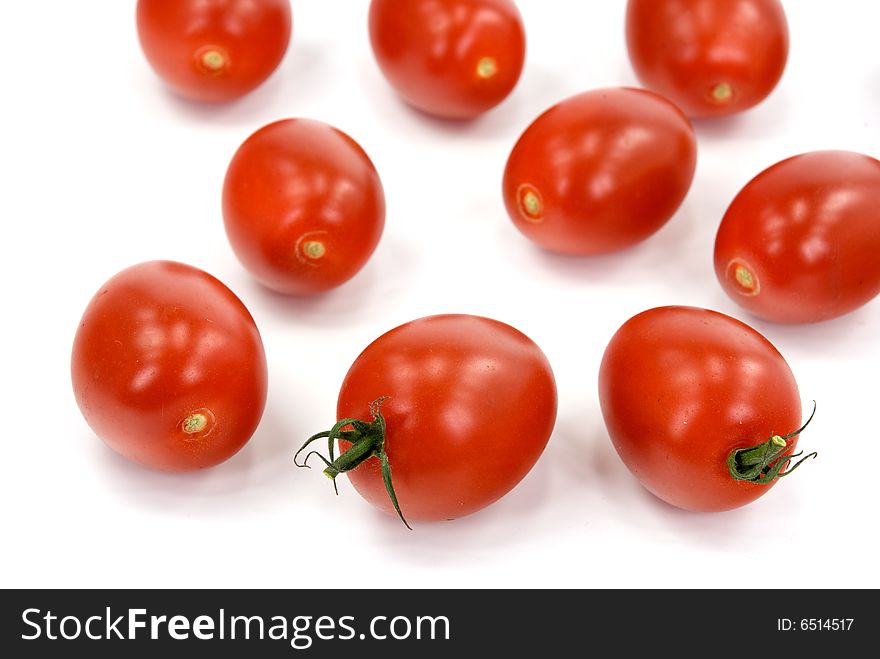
x,y
658,520
381,282
612,492
301,69
557,496
260,476
535,92
674,256
838,338
766,120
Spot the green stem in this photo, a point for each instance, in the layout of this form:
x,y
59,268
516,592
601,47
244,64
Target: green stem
x,y
767,461
367,440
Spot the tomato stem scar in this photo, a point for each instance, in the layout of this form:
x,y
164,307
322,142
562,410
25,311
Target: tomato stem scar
x,y
212,59
765,462
198,423
313,249
487,67
743,277
530,203
367,440
194,423
722,92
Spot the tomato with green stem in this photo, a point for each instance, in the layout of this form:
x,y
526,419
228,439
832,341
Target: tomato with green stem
x,y
454,59
168,367
701,408
214,50
709,57
303,206
460,409
800,242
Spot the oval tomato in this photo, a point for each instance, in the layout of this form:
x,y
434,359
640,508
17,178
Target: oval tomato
x,y
303,206
709,57
214,50
800,242
454,59
684,392
600,171
168,367
462,407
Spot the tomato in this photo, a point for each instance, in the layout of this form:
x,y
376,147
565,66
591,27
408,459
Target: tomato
x,y
454,59
168,367
800,242
710,57
684,392
214,50
461,409
600,171
303,206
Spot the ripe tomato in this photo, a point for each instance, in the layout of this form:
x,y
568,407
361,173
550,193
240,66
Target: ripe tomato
x,y
710,57
683,391
467,406
600,171
303,206
168,367
800,242
454,59
214,50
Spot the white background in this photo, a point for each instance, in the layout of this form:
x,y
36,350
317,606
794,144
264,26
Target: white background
x,y
101,168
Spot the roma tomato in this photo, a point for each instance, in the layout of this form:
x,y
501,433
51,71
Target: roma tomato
x,y
303,206
461,408
800,242
454,59
701,408
214,50
168,367
710,57
600,171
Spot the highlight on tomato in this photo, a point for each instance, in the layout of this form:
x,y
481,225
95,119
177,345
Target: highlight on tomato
x,y
709,57
441,416
455,59
168,367
701,408
303,206
600,171
214,50
800,242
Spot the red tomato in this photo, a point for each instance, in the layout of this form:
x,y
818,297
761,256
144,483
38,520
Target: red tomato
x,y
600,171
303,206
454,59
214,50
710,57
168,367
684,391
800,242
471,403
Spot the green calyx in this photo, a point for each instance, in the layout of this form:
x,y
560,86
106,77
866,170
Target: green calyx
x,y
767,461
367,440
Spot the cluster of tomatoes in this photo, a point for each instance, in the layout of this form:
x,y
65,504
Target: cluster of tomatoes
x,y
443,415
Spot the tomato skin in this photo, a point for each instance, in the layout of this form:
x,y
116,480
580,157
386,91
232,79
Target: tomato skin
x,y
709,57
800,242
158,342
681,388
600,171
303,206
471,405
214,51
454,59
